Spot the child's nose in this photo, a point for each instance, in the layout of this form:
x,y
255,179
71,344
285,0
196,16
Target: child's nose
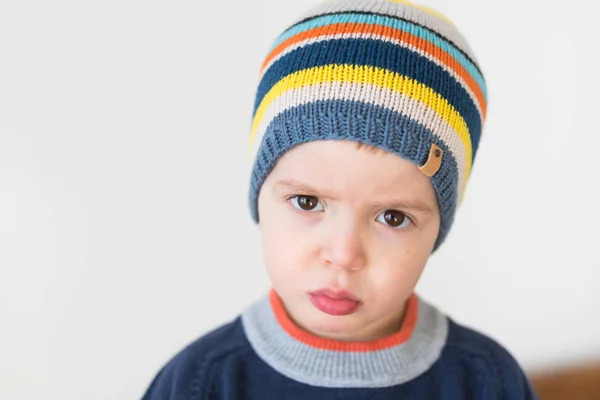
x,y
344,248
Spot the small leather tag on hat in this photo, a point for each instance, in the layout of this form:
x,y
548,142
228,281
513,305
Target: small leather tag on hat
x,y
434,161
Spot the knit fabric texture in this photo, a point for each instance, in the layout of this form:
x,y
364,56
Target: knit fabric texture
x,y
387,73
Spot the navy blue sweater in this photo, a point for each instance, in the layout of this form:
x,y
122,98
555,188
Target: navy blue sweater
x,y
253,358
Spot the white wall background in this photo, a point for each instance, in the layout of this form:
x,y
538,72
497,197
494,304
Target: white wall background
x,y
124,170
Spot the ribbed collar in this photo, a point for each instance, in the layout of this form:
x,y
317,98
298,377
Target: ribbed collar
x,y
317,361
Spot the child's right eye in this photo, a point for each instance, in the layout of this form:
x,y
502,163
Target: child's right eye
x,y
306,203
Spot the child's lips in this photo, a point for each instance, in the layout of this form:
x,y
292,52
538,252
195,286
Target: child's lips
x,y
334,302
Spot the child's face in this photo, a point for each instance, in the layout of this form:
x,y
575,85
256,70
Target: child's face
x,y
354,227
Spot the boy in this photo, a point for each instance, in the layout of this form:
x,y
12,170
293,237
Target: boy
x,y
366,123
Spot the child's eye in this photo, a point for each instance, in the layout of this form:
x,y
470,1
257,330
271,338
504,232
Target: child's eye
x,y
306,203
394,218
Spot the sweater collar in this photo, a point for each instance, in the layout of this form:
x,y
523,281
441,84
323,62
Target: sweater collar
x,y
317,361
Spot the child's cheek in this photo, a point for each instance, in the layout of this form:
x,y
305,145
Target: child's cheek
x,y
396,269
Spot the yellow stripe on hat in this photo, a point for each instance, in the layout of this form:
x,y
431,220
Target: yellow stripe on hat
x,y
370,75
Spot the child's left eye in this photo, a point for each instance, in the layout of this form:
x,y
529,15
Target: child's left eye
x,y
306,203
394,219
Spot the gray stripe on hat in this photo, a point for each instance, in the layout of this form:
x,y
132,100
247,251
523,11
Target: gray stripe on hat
x,y
325,368
399,10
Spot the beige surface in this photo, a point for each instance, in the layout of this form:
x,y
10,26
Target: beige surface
x,y
581,382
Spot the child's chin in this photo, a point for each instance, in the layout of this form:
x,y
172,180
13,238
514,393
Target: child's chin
x,y
334,327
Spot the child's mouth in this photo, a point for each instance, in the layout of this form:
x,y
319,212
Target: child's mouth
x,y
334,302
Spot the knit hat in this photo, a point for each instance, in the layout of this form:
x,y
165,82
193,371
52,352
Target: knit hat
x,y
387,73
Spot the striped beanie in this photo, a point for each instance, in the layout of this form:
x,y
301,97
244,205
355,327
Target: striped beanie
x,y
387,73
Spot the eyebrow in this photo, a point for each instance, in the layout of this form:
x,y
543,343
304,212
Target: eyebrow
x,y
297,186
292,184
413,205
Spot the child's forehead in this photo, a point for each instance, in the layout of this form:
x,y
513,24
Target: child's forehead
x,y
344,169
